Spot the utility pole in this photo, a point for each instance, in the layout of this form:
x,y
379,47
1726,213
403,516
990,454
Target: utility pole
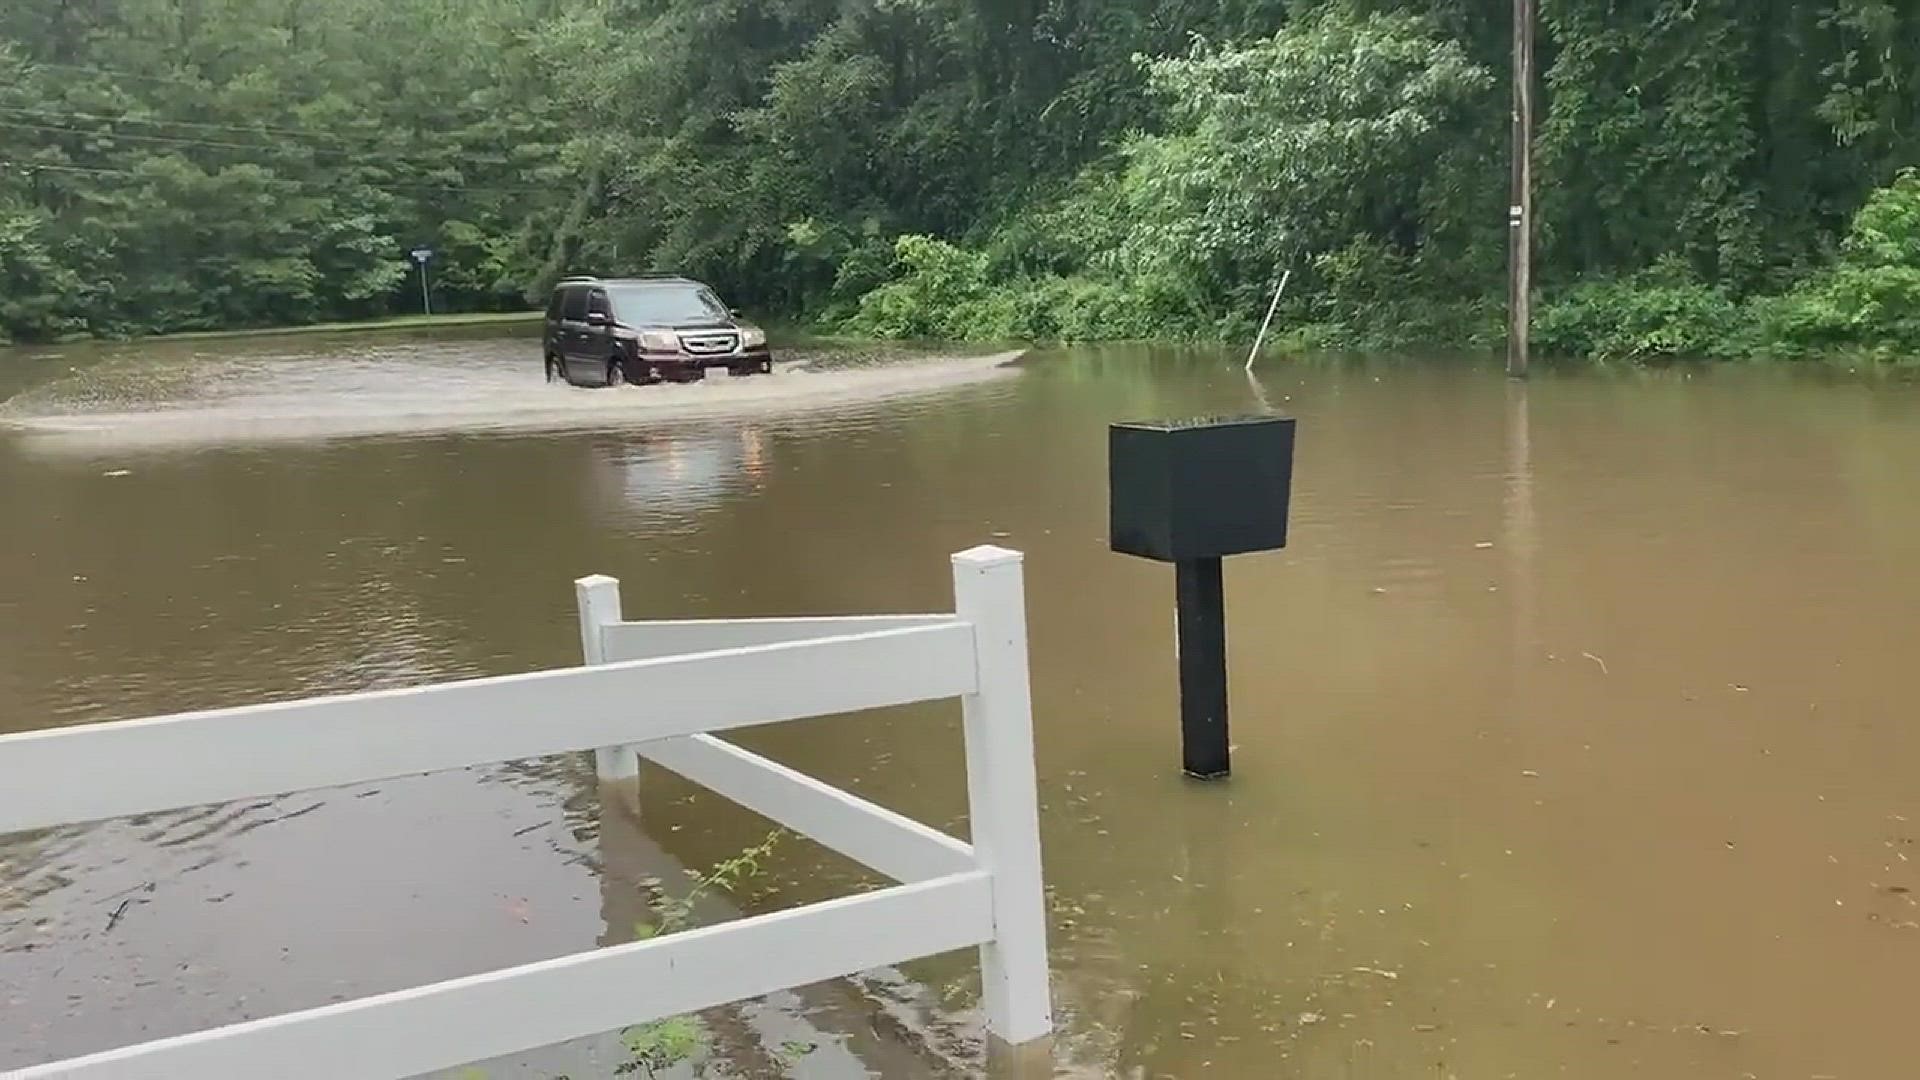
x,y
1520,213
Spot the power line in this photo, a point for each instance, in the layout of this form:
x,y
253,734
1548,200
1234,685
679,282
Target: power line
x,y
313,133
175,139
178,140
37,166
31,167
249,129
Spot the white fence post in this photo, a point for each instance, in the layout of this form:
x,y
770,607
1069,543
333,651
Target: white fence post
x,y
1002,802
598,598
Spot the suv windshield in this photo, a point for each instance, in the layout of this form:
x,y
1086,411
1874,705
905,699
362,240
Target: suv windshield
x,y
655,305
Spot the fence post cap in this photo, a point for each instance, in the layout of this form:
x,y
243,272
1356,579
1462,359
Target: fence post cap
x,y
986,556
593,581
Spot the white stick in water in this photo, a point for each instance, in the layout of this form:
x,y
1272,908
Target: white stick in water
x,y
1268,321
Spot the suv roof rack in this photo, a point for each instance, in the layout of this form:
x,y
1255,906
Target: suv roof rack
x,y
596,279
655,279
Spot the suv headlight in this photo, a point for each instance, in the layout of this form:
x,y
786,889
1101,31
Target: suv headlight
x,y
752,338
659,341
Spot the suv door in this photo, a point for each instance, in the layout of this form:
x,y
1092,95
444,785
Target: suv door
x,y
597,332
573,329
552,337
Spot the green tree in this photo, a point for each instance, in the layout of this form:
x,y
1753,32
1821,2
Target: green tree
x,y
1089,169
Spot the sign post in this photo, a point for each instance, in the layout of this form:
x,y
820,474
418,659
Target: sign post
x,y
421,256
1191,492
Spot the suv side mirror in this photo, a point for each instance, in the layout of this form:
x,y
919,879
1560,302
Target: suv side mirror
x,y
597,318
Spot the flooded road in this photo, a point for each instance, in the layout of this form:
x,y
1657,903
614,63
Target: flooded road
x,y
1573,732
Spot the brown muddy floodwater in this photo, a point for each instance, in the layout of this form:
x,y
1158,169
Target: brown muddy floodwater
x,y
1575,730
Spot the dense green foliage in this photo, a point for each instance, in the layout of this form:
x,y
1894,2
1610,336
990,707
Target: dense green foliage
x,y
1865,302
1718,177
201,164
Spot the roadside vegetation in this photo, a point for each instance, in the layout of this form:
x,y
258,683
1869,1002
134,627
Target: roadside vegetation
x,y
1718,178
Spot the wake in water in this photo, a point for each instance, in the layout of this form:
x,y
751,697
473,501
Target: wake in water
x,y
222,400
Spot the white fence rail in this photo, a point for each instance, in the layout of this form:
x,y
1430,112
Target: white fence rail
x,y
651,690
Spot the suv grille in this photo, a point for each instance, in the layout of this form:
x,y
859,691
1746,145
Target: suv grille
x,y
710,344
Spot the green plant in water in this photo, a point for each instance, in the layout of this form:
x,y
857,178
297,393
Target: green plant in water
x,y
675,913
662,1044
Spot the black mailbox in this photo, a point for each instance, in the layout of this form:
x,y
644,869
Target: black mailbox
x,y
1196,489
1191,492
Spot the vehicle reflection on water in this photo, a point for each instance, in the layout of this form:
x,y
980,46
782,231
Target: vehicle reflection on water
x,y
674,474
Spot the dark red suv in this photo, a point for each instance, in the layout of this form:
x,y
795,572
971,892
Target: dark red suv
x,y
609,331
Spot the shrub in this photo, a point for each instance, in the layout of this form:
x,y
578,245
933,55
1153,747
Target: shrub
x,y
942,291
1870,300
1654,314
933,280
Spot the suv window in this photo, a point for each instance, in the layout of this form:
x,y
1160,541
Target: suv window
x,y
575,306
597,303
665,305
553,304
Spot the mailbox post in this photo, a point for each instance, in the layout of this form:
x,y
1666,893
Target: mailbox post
x,y
1192,492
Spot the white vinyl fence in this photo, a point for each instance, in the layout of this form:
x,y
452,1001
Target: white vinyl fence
x,y
653,691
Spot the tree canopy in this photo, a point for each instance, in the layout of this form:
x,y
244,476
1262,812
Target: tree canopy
x,y
1714,175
